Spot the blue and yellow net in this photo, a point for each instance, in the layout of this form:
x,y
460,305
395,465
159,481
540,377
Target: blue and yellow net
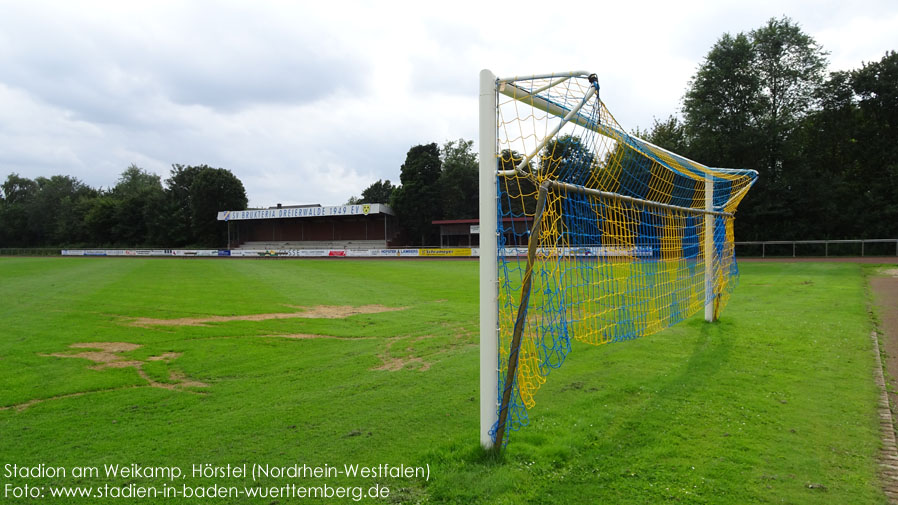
x,y
617,244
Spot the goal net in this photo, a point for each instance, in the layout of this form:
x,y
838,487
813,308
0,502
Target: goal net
x,y
587,233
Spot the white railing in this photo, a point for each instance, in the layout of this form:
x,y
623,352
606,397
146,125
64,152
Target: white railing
x,y
826,244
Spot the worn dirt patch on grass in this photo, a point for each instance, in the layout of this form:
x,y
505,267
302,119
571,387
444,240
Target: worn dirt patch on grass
x,y
166,356
109,355
309,336
179,381
389,363
107,346
106,354
393,364
317,312
184,381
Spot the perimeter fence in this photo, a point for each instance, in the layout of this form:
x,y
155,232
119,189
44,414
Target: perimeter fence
x,y
818,248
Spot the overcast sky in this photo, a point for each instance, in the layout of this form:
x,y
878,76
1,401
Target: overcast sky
x,y
310,102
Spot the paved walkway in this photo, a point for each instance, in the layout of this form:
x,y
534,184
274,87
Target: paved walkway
x,y
885,343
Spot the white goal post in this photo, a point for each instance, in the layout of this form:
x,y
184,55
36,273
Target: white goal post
x,y
489,267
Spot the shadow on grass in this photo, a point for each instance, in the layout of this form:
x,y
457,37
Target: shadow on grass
x,y
710,353
649,418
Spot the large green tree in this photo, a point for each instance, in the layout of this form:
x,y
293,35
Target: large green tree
x,y
669,133
58,211
564,157
790,67
195,195
213,190
459,180
178,185
139,206
101,220
19,194
876,86
825,169
44,211
744,109
417,200
722,105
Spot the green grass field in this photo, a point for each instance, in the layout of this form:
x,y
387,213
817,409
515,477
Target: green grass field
x,y
773,404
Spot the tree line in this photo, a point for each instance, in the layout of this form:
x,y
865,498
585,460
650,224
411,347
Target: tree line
x,y
825,145
139,211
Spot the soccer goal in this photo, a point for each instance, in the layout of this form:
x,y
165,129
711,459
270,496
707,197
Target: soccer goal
x,y
586,233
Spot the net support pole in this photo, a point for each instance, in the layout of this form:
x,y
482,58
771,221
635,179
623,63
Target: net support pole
x,y
521,318
489,265
710,314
